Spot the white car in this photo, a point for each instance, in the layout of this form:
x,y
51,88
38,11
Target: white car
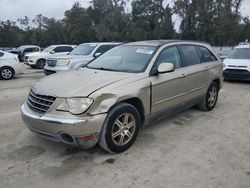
x,y
237,64
80,56
38,59
9,65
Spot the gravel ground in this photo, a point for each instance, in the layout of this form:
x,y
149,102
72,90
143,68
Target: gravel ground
x,y
191,149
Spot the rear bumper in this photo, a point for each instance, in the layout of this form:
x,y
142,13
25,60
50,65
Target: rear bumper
x,y
77,132
236,74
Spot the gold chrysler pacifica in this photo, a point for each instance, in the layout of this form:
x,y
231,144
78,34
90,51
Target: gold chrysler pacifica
x,y
110,99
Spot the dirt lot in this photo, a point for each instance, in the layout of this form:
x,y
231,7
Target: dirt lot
x,y
191,149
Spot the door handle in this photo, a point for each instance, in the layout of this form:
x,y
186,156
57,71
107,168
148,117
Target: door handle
x,y
183,75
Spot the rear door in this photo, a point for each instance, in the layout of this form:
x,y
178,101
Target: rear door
x,y
197,72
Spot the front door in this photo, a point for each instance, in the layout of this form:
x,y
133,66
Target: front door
x,y
168,89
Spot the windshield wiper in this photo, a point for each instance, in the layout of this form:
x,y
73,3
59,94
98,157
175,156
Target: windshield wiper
x,y
102,68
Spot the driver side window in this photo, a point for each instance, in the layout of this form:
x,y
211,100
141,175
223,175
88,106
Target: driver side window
x,y
169,55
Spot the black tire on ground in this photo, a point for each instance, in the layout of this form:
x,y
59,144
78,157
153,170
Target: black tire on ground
x,y
118,134
40,63
210,99
32,66
6,73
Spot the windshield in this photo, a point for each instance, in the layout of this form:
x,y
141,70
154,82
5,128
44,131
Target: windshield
x,y
84,49
48,49
124,59
240,53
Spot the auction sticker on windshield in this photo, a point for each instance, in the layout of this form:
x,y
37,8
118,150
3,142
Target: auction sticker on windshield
x,y
144,51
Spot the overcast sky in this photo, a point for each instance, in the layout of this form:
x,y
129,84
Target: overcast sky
x,y
13,9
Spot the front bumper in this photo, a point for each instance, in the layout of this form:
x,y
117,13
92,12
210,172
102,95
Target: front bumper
x,y
30,62
236,74
82,132
49,72
19,67
56,68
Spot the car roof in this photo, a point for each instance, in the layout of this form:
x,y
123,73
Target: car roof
x,y
243,46
102,43
158,43
29,46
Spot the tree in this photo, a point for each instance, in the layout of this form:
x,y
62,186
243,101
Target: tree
x,y
78,25
152,19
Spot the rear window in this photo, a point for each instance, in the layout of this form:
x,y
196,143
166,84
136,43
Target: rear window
x,y
240,53
206,54
191,55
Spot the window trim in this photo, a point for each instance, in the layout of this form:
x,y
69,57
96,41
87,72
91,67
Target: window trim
x,y
152,72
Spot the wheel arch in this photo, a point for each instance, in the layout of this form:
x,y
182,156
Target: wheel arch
x,y
14,72
41,58
136,102
217,82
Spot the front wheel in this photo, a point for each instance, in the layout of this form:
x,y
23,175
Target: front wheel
x,y
40,64
210,100
120,128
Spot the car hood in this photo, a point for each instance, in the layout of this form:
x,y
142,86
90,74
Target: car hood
x,y
78,83
237,62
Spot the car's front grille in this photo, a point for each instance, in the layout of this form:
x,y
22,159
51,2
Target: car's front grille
x,y
51,62
38,102
237,66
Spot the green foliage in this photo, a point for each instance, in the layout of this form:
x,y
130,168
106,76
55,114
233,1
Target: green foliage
x,y
215,21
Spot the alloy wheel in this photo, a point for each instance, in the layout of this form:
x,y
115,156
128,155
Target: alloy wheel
x,y
123,129
212,96
6,73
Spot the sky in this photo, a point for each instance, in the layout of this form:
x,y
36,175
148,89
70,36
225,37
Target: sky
x,y
14,9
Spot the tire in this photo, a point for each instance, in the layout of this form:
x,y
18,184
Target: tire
x,y
40,63
6,73
210,99
118,137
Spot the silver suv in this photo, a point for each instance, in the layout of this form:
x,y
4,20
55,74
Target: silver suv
x,y
109,100
80,56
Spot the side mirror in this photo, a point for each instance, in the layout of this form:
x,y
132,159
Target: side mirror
x,y
52,52
97,54
165,67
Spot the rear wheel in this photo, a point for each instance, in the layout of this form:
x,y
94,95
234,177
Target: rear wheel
x,y
40,63
120,128
6,73
210,100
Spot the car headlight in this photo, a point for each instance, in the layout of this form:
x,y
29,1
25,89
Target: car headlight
x,y
76,106
63,62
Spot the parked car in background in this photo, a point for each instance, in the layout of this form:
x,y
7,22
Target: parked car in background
x,y
80,56
224,54
237,64
38,59
24,50
109,100
9,65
